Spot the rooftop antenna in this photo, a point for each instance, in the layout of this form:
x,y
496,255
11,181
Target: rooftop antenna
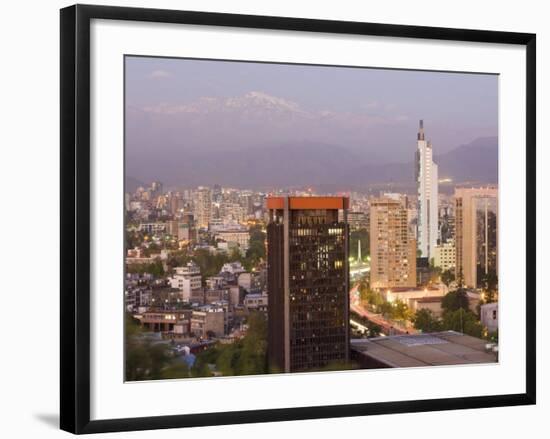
x,y
421,130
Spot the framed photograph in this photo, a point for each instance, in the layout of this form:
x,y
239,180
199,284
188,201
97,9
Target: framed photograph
x,y
274,218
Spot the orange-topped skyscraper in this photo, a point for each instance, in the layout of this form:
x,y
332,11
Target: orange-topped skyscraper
x,y
308,282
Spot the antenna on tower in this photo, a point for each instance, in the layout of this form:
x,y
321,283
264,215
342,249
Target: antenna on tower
x,y
421,130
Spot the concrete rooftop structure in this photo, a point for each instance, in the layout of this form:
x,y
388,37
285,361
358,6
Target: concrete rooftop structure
x,y
416,350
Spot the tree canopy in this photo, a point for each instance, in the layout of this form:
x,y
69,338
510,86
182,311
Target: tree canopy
x,y
455,300
447,277
425,321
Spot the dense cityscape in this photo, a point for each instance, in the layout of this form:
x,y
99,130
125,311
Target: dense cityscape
x,y
224,281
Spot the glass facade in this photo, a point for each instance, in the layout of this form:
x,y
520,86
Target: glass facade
x,y
316,314
486,237
318,296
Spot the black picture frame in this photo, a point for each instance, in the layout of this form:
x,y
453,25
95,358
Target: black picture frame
x,y
75,217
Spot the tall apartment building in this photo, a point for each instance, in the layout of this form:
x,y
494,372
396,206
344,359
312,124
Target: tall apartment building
x,y
392,246
476,211
428,192
307,282
203,206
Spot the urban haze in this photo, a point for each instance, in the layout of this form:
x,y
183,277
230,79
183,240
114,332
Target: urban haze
x,y
293,218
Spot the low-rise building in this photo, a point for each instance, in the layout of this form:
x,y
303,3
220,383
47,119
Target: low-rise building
x,y
235,268
405,294
136,256
227,247
166,321
421,350
426,298
489,316
238,236
215,295
235,295
214,282
186,279
255,302
432,304
152,228
137,297
244,280
208,321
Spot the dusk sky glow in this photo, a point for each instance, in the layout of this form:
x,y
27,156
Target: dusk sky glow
x,y
177,106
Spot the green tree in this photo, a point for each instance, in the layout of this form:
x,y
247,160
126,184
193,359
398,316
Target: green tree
x,y
210,264
235,256
176,370
145,360
227,359
425,321
374,330
252,357
463,321
247,356
455,300
375,300
150,249
178,258
254,254
386,309
447,277
363,287
155,268
201,370
489,283
493,336
401,311
133,239
256,248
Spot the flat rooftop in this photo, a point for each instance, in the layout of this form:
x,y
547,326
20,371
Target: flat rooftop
x,y
413,289
416,350
307,203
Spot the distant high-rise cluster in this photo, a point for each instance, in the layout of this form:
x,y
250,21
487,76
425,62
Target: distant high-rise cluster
x,y
318,269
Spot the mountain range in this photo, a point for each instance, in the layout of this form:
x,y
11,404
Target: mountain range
x,y
318,164
256,140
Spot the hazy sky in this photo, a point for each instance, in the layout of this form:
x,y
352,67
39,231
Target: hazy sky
x,y
177,106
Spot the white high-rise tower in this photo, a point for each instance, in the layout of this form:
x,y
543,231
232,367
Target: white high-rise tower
x,y
427,183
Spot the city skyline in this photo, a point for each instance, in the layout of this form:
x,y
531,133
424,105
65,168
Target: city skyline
x,y
255,246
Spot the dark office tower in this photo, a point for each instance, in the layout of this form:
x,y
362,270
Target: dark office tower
x,y
307,282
